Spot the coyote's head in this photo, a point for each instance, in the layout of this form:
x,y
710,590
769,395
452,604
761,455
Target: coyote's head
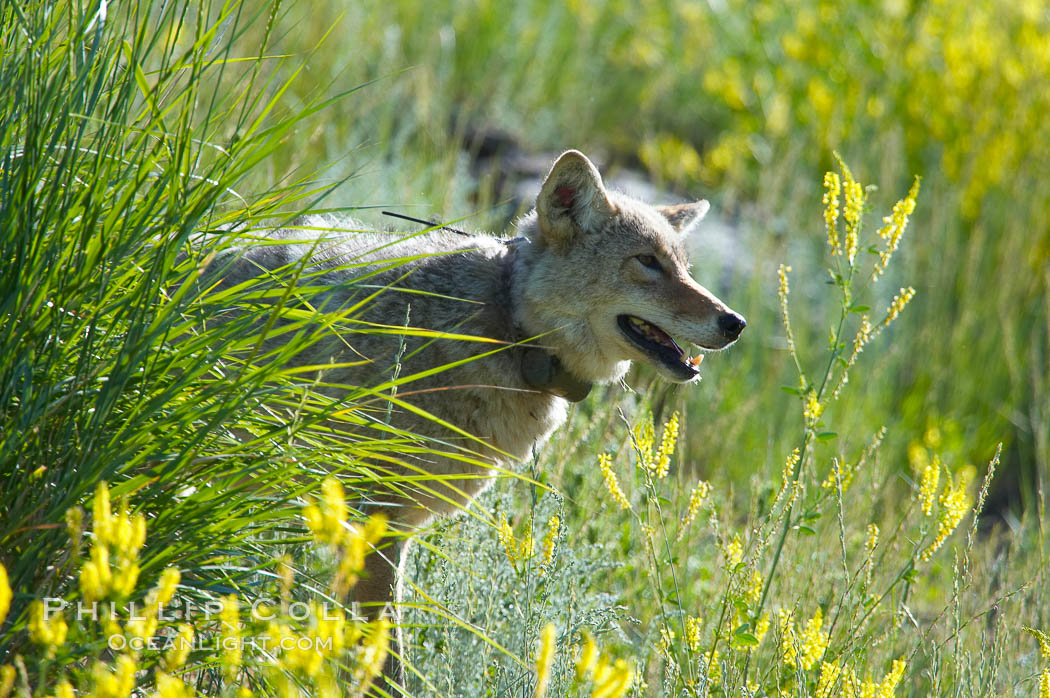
x,y
608,278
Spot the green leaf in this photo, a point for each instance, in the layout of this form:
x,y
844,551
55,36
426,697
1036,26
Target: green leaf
x,y
790,391
826,435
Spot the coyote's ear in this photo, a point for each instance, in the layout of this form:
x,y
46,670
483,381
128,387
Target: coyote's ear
x,y
572,199
684,217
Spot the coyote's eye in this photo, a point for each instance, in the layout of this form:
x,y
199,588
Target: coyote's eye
x,y
650,262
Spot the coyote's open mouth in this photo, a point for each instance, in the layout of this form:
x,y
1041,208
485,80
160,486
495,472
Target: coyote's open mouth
x,y
660,347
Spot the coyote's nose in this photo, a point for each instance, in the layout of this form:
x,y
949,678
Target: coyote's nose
x,y
731,324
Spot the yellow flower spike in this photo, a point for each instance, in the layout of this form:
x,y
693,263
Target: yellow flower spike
x,y
734,551
49,632
550,539
505,534
714,668
761,628
897,305
661,464
782,293
165,590
873,538
231,633
1042,638
75,525
693,629
829,676
893,228
588,656
611,483
7,680
5,594
931,477
888,685
813,408
644,438
802,648
171,687
832,187
372,654
545,659
181,646
616,682
102,518
696,501
954,505
1044,684
753,587
852,211
63,689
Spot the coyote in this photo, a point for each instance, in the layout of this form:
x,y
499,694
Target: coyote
x,y
595,281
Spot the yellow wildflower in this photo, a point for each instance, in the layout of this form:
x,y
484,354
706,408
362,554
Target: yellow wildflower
x,y
788,473
505,534
873,537
662,462
696,500
897,304
644,438
170,687
832,187
693,628
231,633
5,594
588,656
893,228
1042,639
611,483
762,627
544,659
753,587
550,539
829,676
612,681
327,518
714,668
372,654
802,648
181,645
101,521
931,477
666,642
734,551
7,680
782,292
1044,684
889,682
851,214
63,689
49,632
954,505
357,542
119,684
838,476
812,408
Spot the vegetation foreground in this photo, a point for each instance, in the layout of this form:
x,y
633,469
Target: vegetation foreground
x,y
177,512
